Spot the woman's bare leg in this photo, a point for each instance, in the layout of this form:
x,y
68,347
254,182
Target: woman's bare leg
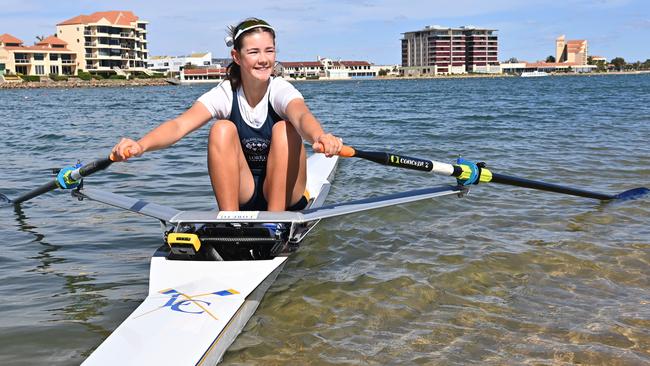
x,y
286,168
230,176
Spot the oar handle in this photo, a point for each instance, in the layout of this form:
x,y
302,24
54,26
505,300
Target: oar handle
x,y
76,174
347,152
93,167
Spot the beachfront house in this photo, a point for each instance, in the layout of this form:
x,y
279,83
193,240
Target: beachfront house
x,y
50,55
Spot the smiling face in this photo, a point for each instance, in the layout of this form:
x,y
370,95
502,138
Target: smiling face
x,y
256,57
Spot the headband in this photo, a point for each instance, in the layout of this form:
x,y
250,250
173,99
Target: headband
x,y
245,27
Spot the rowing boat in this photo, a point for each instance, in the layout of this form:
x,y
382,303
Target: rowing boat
x,y
210,274
200,298
195,307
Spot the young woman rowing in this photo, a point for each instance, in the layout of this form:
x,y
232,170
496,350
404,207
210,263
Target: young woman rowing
x,y
256,158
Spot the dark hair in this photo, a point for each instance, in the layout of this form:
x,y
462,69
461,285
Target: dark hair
x,y
255,25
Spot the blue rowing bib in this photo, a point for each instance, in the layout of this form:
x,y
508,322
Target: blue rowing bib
x,y
255,142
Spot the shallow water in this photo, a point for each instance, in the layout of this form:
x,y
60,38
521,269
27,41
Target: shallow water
x,y
502,276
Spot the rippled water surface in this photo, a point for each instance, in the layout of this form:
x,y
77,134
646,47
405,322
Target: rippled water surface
x,y
503,276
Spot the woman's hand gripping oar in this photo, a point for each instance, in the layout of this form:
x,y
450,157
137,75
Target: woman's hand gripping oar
x,y
467,173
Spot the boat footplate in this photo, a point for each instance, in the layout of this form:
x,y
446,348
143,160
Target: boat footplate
x,y
228,241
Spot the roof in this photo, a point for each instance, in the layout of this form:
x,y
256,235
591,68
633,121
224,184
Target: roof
x,y
39,49
8,38
221,70
355,63
52,40
115,17
302,64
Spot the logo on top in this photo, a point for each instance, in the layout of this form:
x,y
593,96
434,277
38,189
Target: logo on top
x,y
190,304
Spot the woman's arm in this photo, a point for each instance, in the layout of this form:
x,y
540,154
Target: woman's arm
x,y
310,129
165,134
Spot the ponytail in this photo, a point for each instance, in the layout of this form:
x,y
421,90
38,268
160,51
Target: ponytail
x,y
233,73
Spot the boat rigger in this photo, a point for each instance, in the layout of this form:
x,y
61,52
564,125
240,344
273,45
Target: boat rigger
x,y
210,274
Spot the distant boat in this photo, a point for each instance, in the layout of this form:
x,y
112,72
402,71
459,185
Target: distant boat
x,y
533,74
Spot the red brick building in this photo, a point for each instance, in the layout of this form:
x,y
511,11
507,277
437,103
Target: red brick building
x,y
437,50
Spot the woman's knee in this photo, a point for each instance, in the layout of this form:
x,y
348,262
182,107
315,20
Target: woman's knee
x,y
222,132
283,131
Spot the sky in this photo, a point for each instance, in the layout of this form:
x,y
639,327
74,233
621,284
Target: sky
x,y
359,30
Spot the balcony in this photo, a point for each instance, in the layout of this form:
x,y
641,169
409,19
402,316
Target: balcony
x,y
68,62
23,61
90,44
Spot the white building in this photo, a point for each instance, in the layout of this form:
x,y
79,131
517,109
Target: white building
x,y
325,68
175,64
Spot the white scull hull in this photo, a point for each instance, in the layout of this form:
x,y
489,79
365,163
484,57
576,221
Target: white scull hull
x,y
195,309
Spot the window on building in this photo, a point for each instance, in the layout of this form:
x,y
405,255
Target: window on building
x,y
39,56
54,69
39,69
54,56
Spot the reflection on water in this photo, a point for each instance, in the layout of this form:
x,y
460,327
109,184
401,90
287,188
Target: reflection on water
x,y
79,297
502,276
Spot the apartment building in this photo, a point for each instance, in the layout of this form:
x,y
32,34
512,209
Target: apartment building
x,y
107,42
47,56
438,50
573,51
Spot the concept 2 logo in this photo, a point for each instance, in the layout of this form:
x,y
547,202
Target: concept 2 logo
x,y
189,304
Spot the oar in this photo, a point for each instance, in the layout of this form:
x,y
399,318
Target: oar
x,y
70,176
464,172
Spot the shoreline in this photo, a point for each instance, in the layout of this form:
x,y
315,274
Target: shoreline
x,y
50,84
472,76
162,82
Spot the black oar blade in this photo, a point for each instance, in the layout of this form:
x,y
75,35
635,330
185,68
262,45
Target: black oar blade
x,y
4,200
632,194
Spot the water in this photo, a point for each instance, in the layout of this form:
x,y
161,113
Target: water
x,y
503,276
